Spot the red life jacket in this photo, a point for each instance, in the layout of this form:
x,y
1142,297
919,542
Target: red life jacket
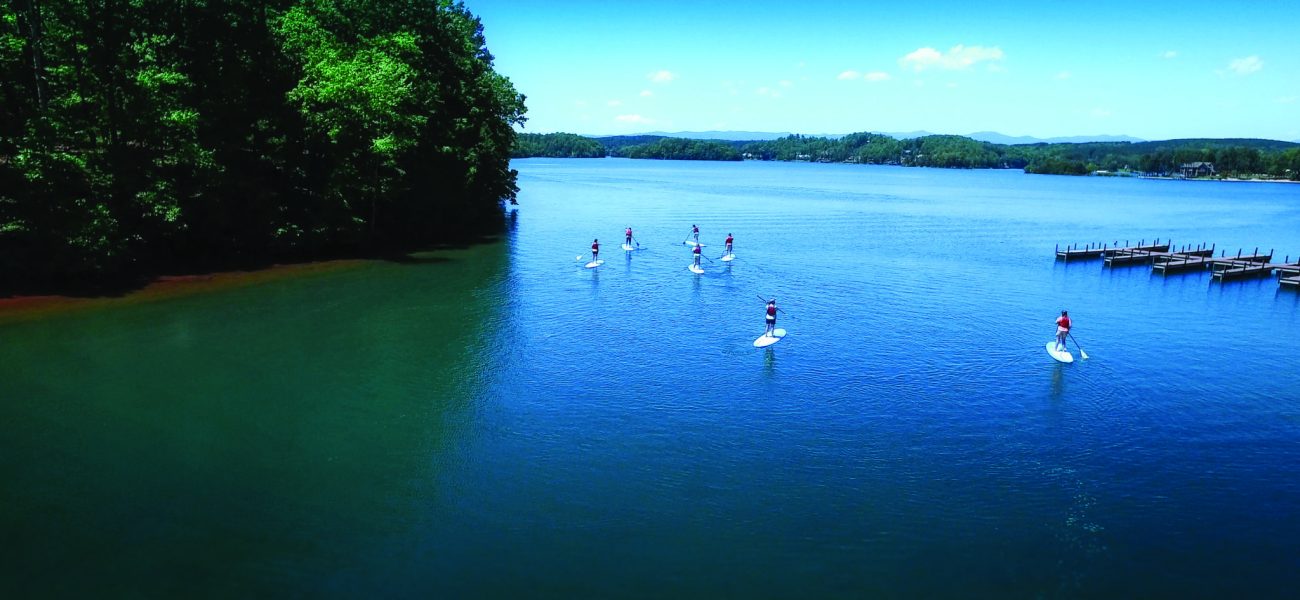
x,y
771,310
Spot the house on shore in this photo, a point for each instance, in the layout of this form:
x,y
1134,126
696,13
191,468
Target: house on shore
x,y
1197,169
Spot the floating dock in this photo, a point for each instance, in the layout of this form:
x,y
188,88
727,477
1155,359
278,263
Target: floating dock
x,y
1101,249
1166,259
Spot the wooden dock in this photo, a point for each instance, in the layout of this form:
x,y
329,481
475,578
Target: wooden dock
x,y
1130,257
1101,249
1166,259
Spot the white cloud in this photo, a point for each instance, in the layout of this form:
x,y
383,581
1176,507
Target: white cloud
x,y
614,103
1063,75
1288,99
646,93
1099,113
959,57
1168,54
662,76
1246,66
876,76
580,103
952,86
633,119
849,75
767,91
785,83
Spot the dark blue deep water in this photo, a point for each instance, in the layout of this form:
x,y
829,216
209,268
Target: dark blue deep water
x,y
502,422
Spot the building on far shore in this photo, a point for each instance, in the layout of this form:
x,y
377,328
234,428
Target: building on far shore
x,y
1197,169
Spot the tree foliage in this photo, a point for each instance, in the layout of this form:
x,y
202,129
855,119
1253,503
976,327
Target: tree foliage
x,y
680,149
1247,158
557,145
150,135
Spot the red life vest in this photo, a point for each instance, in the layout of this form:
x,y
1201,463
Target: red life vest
x,y
771,310
1064,322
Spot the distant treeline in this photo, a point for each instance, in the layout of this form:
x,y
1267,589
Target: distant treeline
x,y
568,145
148,136
1246,158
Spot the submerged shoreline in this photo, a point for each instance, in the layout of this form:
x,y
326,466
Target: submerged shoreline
x,y
36,306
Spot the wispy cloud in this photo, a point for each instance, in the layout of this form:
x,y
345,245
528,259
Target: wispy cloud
x,y
580,103
1063,75
768,92
1288,99
785,83
646,93
1246,66
957,58
1100,113
662,76
614,103
876,76
633,119
850,74
1168,54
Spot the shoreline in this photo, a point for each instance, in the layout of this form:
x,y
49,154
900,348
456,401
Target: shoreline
x,y
20,308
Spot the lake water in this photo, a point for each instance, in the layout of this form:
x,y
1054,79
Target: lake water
x,y
498,421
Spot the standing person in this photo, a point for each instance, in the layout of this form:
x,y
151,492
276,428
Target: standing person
x,y
627,235
595,249
696,251
770,317
728,245
1062,329
695,230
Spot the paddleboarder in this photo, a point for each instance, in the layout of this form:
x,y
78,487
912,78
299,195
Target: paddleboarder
x,y
770,317
696,251
595,249
728,245
695,230
627,236
1062,329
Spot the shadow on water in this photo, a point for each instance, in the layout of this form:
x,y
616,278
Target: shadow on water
x,y
291,435
1058,382
769,361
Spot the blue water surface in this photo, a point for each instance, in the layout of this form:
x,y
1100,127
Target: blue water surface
x,y
501,422
910,436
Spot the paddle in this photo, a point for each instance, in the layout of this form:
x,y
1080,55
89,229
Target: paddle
x,y
634,241
1076,344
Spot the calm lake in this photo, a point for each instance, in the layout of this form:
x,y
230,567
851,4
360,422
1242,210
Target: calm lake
x,y
498,421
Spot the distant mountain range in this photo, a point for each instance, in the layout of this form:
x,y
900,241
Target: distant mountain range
x,y
992,137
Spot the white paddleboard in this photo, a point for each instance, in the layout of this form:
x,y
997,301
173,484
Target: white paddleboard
x,y
695,269
595,263
766,340
628,248
690,243
1063,356
729,258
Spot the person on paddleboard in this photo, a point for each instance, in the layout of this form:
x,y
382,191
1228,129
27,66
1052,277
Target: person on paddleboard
x,y
696,251
595,249
695,231
1062,329
770,317
728,245
627,235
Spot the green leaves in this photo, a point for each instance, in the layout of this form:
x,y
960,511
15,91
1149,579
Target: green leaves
x,y
160,135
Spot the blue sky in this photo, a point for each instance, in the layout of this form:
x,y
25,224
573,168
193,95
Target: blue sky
x,y
1154,70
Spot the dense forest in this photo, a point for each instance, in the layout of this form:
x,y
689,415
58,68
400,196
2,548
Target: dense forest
x,y
557,145
679,149
147,136
1245,158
